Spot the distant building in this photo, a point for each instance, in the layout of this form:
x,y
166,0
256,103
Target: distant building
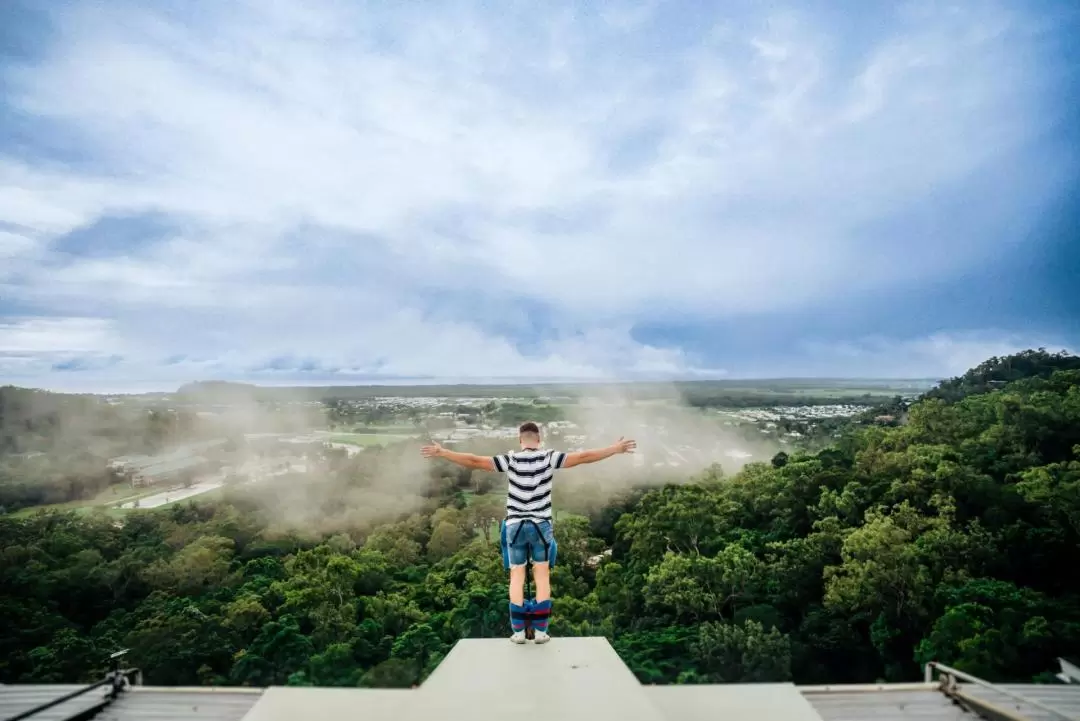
x,y
168,467
173,471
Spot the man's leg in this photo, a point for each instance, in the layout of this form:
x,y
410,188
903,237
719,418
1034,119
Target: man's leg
x,y
543,559
515,559
518,610
542,578
517,584
541,610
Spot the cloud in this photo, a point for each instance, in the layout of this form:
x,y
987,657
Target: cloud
x,y
15,246
338,186
933,356
50,335
32,347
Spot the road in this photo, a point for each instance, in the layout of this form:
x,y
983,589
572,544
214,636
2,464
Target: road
x,y
204,485
175,494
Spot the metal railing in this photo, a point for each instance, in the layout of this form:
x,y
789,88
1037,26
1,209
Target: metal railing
x,y
1070,673
117,680
951,675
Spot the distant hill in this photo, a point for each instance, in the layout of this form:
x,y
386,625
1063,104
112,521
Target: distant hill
x,y
219,392
996,372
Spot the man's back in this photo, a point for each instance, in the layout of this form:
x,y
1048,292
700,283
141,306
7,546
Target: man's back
x,y
529,475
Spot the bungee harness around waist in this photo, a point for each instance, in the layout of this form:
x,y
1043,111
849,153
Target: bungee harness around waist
x,y
528,546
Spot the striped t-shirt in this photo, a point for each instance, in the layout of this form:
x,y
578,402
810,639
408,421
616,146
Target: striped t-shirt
x,y
529,473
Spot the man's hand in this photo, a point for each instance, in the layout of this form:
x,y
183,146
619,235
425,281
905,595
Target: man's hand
x,y
432,450
598,454
466,460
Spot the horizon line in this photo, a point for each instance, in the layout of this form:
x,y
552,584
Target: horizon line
x,y
402,382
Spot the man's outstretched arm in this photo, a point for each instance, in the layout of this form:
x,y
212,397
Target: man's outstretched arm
x,y
598,454
468,460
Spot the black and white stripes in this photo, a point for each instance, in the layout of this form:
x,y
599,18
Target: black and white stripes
x,y
529,473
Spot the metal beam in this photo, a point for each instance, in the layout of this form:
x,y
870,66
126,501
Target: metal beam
x,y
869,687
983,708
952,674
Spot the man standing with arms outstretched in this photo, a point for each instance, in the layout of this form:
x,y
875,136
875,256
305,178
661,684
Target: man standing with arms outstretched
x,y
527,533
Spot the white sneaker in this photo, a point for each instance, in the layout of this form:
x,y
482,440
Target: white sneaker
x,y
518,637
541,637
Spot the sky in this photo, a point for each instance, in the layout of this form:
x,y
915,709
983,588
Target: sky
x,y
339,192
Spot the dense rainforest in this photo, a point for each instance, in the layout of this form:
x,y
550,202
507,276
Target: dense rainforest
x,y
954,535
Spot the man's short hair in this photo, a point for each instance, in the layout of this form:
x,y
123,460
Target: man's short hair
x,y
529,428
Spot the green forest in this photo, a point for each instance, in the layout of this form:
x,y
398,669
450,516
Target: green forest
x,y
953,535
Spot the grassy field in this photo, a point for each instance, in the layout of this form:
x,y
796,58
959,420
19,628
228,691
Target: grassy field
x,y
107,498
368,439
840,392
398,428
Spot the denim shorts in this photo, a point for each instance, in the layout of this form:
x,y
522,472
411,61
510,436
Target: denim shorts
x,y
527,540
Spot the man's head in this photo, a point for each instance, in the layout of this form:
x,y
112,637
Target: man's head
x,y
529,435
